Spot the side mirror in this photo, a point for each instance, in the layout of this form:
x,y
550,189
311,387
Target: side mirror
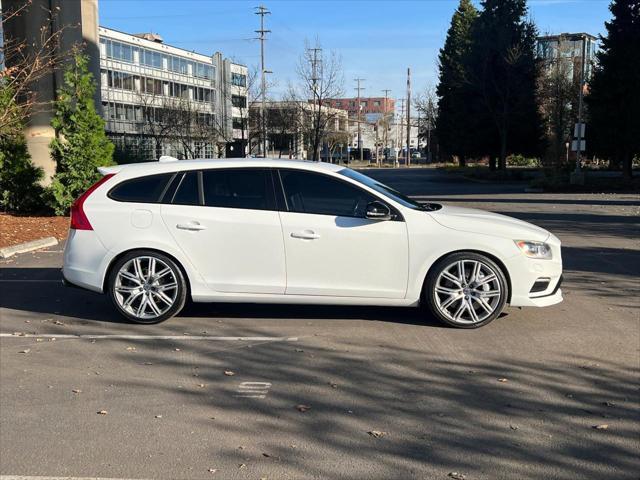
x,y
378,211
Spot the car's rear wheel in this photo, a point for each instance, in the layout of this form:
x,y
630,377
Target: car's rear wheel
x,y
466,290
147,287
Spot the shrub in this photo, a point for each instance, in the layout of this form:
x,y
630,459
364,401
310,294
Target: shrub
x,y
20,191
522,161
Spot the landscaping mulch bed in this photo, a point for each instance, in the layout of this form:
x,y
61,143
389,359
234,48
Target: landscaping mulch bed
x,y
15,229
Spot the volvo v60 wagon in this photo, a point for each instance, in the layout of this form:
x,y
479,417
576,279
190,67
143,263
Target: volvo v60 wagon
x,y
152,235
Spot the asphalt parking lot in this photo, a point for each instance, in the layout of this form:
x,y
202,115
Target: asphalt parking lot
x,y
256,391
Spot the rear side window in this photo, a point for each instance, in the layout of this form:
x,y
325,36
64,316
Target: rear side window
x,y
187,192
141,190
246,188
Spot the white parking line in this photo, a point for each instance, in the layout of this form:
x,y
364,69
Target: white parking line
x,y
147,337
26,477
18,280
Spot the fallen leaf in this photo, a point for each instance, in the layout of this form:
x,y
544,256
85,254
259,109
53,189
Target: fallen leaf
x,y
266,455
229,373
241,466
456,476
158,416
299,350
503,380
302,408
147,363
131,349
26,350
333,385
377,433
39,339
609,404
102,412
177,349
513,427
201,385
76,390
603,426
212,470
58,322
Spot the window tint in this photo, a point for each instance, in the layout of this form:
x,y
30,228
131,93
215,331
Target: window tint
x,y
238,188
187,193
317,193
141,190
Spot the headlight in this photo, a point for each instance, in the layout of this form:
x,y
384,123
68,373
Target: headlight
x,y
534,249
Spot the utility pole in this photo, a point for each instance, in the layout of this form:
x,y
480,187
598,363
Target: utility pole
x,y
408,117
384,116
358,88
262,11
399,132
580,95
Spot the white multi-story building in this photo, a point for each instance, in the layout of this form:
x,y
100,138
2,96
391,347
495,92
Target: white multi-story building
x,y
158,99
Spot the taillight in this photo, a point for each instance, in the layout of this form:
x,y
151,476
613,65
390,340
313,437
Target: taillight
x,y
79,220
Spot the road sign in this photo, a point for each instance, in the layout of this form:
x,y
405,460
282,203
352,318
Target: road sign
x,y
578,130
574,145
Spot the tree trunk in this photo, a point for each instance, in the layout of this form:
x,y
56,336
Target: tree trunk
x,y
462,160
492,163
627,166
502,161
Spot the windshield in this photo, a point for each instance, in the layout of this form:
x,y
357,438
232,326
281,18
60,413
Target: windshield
x,y
382,188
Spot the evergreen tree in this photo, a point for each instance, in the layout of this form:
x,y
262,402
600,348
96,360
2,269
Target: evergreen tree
x,y
20,191
502,75
452,124
614,96
80,146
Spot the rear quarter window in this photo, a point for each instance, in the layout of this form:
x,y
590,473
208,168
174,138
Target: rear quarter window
x,y
141,190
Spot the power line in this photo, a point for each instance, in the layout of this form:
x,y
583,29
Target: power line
x,y
262,11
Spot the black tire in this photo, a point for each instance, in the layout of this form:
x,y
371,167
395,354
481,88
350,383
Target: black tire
x,y
178,296
435,301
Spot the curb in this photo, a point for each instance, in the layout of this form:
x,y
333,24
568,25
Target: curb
x,y
7,252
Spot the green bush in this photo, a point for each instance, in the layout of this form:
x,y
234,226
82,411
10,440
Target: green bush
x,y
80,146
521,161
20,191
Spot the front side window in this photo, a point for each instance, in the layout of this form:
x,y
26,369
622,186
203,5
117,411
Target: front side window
x,y
307,192
245,188
141,190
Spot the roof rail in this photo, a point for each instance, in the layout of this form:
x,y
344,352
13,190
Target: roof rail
x,y
167,158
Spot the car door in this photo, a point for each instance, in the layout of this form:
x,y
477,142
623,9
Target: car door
x,y
331,248
226,222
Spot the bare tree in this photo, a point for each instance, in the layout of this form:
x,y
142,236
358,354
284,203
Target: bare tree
x,y
557,87
426,103
23,62
320,79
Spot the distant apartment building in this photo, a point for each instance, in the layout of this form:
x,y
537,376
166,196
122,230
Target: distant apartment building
x,y
371,108
158,99
289,126
565,51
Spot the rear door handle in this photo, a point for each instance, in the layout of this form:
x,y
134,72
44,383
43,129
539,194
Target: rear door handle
x,y
305,235
191,226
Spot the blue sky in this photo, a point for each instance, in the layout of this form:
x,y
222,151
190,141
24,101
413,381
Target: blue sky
x,y
376,39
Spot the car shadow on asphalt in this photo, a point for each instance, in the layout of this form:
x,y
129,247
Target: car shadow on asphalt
x,y
40,290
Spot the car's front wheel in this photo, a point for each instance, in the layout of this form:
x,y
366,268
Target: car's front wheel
x,y
147,287
466,290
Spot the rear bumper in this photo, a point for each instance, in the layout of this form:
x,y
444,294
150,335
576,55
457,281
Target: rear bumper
x,y
83,257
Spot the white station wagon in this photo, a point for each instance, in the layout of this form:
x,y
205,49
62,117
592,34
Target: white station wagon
x,y
151,235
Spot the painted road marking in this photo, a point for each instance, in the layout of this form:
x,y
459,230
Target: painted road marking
x,y
25,477
147,337
253,389
18,280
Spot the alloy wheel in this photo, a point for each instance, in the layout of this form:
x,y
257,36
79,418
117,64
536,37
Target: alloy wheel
x,y
145,287
468,291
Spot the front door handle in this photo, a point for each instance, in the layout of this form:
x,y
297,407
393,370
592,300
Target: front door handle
x,y
305,235
191,226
